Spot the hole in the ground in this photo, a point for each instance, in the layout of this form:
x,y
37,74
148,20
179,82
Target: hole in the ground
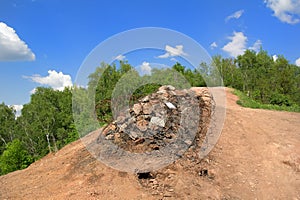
x,y
145,175
156,148
203,172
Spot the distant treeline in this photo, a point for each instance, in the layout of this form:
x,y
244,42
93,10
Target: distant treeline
x,y
47,124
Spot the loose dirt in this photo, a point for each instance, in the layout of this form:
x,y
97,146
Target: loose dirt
x,y
256,157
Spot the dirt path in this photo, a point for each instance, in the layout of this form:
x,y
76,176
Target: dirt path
x,y
256,158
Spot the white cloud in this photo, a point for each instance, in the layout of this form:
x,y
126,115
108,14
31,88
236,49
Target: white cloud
x,y
235,15
287,11
145,68
171,51
298,62
120,57
12,48
174,59
213,45
256,46
237,45
18,109
33,91
56,80
275,57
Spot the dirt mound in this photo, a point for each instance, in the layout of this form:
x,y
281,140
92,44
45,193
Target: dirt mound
x,y
158,120
157,130
257,156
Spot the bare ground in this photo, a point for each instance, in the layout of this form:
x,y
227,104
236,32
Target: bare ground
x,y
256,157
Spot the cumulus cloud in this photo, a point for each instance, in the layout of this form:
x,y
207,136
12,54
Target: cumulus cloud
x,y
12,48
235,15
120,57
18,109
275,57
298,62
237,45
33,91
256,46
174,59
56,80
213,45
287,11
171,51
145,68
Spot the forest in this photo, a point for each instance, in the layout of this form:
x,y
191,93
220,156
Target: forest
x,y
47,122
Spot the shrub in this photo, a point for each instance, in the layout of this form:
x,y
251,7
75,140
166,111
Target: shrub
x,y
14,157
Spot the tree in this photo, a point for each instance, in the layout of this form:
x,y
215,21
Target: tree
x,y
247,65
7,126
46,122
14,157
229,72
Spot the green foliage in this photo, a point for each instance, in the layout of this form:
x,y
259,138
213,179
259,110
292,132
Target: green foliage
x,y
103,81
143,91
193,77
231,75
248,102
268,81
46,123
14,157
7,126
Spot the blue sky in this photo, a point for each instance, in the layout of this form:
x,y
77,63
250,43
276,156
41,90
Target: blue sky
x,y
44,42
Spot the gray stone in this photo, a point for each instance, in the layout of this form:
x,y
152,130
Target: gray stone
x,y
158,121
188,142
123,127
131,120
120,119
133,135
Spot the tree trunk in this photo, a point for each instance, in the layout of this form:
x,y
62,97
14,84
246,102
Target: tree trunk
x,y
49,146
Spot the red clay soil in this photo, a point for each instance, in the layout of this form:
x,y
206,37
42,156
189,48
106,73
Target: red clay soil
x,y
256,157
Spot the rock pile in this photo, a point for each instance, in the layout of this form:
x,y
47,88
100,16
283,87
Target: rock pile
x,y
167,117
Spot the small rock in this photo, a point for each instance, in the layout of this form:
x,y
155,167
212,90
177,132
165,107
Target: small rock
x,y
145,99
142,125
153,181
167,194
147,117
161,92
123,127
137,108
170,105
120,119
147,108
167,87
139,141
188,142
109,137
133,135
158,121
132,120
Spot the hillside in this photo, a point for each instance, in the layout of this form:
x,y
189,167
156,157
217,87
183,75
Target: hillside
x,y
256,157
